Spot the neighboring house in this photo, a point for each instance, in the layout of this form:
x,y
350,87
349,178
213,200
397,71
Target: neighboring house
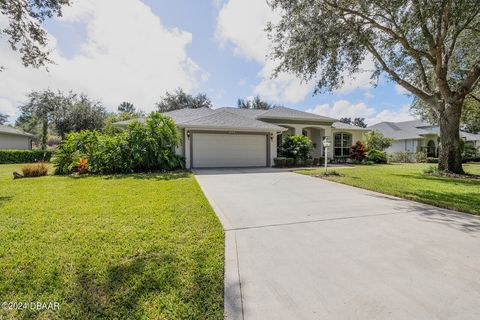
x,y
233,137
417,135
11,138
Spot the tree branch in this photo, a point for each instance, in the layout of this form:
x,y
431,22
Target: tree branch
x,y
474,97
470,81
404,42
428,98
426,32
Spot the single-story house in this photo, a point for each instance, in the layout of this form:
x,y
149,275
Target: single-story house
x,y
417,135
234,137
11,138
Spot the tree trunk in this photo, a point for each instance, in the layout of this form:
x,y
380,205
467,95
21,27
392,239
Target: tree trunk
x,y
450,157
44,134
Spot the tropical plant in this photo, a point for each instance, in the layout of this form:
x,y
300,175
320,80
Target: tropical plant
x,y
141,147
375,140
181,100
430,48
359,151
296,146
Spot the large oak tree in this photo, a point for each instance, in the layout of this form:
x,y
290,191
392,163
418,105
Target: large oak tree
x,y
430,48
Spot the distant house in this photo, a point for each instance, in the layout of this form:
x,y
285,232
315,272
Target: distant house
x,y
417,135
11,138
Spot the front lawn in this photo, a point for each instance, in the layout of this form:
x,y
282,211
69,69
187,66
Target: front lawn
x,y
109,247
407,181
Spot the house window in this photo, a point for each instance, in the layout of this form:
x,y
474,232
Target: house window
x,y
342,144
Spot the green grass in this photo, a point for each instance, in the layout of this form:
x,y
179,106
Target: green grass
x,y
110,247
407,181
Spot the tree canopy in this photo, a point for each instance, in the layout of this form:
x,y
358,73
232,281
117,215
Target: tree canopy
x,y
359,122
24,30
428,47
78,112
3,118
127,107
255,103
57,112
181,100
39,112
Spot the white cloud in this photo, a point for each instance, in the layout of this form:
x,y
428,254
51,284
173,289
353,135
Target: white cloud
x,y
242,23
127,55
344,108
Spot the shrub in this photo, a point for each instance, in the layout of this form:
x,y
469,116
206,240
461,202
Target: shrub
x,y
377,156
473,159
319,161
141,147
299,162
431,170
332,172
24,156
375,140
280,162
290,162
297,146
421,157
359,151
340,159
35,170
402,156
431,160
469,151
309,162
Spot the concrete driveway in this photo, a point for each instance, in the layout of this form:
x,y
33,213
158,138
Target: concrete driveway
x,y
299,247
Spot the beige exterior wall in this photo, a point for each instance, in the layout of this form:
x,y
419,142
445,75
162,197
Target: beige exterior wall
x,y
356,136
17,142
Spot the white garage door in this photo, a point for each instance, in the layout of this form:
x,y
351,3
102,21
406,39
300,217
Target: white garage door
x,y
210,150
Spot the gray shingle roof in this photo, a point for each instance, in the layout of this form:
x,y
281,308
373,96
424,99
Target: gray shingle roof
x,y
414,129
249,113
226,119
400,130
14,131
235,118
470,136
287,113
341,125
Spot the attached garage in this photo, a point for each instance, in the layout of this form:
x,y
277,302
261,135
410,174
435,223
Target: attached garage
x,y
224,149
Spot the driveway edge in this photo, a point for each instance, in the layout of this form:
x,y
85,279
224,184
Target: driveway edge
x,y
232,292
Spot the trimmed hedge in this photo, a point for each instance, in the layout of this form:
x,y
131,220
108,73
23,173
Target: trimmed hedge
x,y
280,162
24,156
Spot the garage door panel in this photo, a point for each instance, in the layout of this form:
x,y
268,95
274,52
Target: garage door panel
x,y
211,150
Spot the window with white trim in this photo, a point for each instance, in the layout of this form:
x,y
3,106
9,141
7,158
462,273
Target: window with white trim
x,y
342,144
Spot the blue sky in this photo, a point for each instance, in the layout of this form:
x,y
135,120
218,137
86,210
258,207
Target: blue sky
x,y
142,48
